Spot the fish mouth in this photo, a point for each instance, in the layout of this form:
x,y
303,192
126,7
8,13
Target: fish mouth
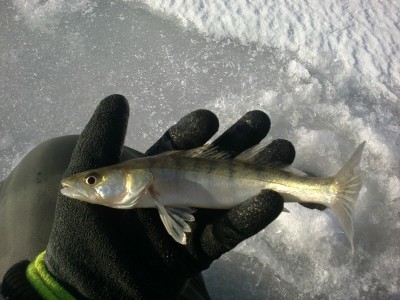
x,y
70,191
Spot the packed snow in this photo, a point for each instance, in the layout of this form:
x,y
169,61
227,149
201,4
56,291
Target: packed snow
x,y
327,73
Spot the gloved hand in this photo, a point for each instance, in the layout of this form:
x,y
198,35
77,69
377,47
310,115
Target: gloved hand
x,y
101,253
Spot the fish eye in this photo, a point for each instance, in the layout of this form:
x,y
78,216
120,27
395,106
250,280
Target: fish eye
x,y
91,179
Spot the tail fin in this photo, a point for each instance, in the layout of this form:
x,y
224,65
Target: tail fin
x,y
347,184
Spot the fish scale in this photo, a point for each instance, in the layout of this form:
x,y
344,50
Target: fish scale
x,y
176,182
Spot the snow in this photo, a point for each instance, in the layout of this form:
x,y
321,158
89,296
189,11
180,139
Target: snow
x,y
327,73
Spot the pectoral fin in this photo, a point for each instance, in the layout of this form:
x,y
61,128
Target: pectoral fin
x,y
185,213
174,219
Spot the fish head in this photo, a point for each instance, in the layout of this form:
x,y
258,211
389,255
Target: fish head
x,y
110,186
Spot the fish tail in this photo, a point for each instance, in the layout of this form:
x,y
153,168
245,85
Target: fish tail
x,y
347,184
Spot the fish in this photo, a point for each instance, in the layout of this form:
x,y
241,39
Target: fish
x,y
177,183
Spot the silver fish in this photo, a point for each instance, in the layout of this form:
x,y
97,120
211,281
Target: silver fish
x,y
177,182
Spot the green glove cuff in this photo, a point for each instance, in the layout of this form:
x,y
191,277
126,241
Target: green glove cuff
x,y
43,282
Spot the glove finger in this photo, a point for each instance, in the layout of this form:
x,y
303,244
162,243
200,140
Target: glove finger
x,y
192,131
280,152
101,141
240,223
245,133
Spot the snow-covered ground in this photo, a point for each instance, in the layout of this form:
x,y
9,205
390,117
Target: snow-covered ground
x,y
327,73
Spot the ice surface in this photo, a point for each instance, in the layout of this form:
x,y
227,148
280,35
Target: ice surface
x,y
326,73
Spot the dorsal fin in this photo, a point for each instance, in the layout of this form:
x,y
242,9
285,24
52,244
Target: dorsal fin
x,y
294,171
254,155
206,151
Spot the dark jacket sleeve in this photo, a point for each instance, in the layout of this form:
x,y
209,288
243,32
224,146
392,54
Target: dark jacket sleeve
x,y
15,285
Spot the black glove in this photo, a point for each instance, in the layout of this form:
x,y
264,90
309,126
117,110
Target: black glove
x,y
101,253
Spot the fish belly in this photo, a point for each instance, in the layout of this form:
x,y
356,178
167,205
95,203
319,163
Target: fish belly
x,y
193,189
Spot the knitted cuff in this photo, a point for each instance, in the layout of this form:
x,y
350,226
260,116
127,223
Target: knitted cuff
x,y
43,282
